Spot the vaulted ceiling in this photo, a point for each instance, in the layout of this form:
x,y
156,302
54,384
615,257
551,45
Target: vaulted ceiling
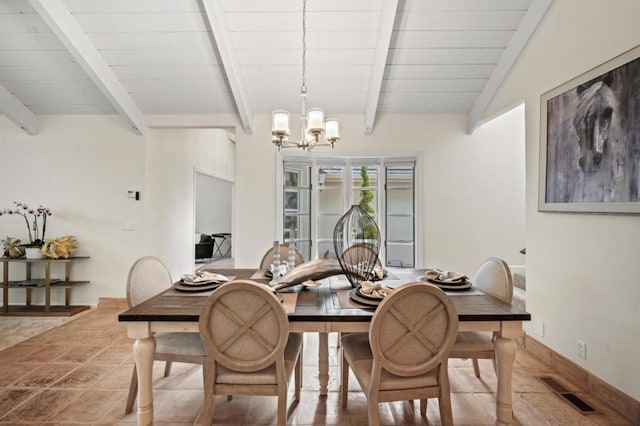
x,y
137,57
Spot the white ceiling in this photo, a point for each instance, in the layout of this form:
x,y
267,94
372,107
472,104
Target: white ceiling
x,y
137,57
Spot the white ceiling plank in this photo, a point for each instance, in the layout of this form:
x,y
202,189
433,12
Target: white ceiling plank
x,y
450,39
385,31
291,40
434,85
17,112
152,57
438,108
438,71
159,72
426,98
137,6
291,21
460,20
141,23
439,5
63,24
72,109
68,71
22,23
444,56
15,6
528,26
29,41
314,56
294,6
152,40
216,17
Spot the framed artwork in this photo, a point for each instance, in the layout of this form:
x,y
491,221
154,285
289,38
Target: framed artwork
x,y
590,140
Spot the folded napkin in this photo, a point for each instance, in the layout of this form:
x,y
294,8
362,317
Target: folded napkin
x,y
374,289
204,276
444,276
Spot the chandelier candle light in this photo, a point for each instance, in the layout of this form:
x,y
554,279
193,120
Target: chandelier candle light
x,y
312,123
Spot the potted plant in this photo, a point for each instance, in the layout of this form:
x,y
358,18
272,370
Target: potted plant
x,y
36,228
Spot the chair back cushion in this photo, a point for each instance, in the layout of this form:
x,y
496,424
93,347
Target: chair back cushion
x,y
147,277
267,259
413,329
494,277
244,326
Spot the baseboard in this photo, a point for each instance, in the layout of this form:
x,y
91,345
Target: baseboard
x,y
617,400
112,303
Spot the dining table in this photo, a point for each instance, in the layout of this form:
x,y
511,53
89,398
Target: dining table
x,y
323,309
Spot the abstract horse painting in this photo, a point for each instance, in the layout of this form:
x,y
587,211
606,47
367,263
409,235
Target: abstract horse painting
x,y
593,140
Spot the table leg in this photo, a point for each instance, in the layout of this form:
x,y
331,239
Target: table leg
x,y
143,350
505,357
323,362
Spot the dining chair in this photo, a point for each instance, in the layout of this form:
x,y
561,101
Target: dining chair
x,y
493,277
147,277
267,259
245,332
404,355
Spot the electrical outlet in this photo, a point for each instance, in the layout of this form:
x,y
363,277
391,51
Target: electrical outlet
x,y
582,349
538,327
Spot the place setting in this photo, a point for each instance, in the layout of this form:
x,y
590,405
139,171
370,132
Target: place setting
x,y
447,280
370,293
200,281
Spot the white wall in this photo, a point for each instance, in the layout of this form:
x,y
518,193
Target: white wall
x,y
582,269
472,185
214,202
80,167
172,156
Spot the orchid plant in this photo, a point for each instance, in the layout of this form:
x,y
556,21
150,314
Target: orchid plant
x,y
38,214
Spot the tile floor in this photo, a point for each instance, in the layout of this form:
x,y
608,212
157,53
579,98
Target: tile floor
x,y
79,372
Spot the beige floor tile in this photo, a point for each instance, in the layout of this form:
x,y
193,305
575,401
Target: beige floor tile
x,y
79,373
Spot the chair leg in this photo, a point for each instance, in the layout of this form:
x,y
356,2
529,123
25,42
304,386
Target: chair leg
x,y
209,378
444,399
344,381
476,367
423,407
282,408
167,368
373,412
298,377
133,391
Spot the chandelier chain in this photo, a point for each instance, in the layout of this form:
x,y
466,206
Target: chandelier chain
x,y
303,89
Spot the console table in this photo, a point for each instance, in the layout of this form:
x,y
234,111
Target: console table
x,y
47,283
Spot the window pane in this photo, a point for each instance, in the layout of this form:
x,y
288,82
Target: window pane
x,y
399,228
324,246
330,177
400,209
400,201
400,255
304,247
330,200
326,224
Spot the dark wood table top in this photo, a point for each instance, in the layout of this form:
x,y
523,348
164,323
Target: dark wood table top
x,y
317,304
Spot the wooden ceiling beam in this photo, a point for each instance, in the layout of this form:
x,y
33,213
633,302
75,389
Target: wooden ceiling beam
x,y
385,31
215,13
73,37
17,112
530,22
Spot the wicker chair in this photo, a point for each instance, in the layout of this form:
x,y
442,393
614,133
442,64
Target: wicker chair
x,y
493,277
245,332
404,356
147,277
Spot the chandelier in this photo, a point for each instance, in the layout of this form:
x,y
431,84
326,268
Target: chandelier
x,y
314,129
